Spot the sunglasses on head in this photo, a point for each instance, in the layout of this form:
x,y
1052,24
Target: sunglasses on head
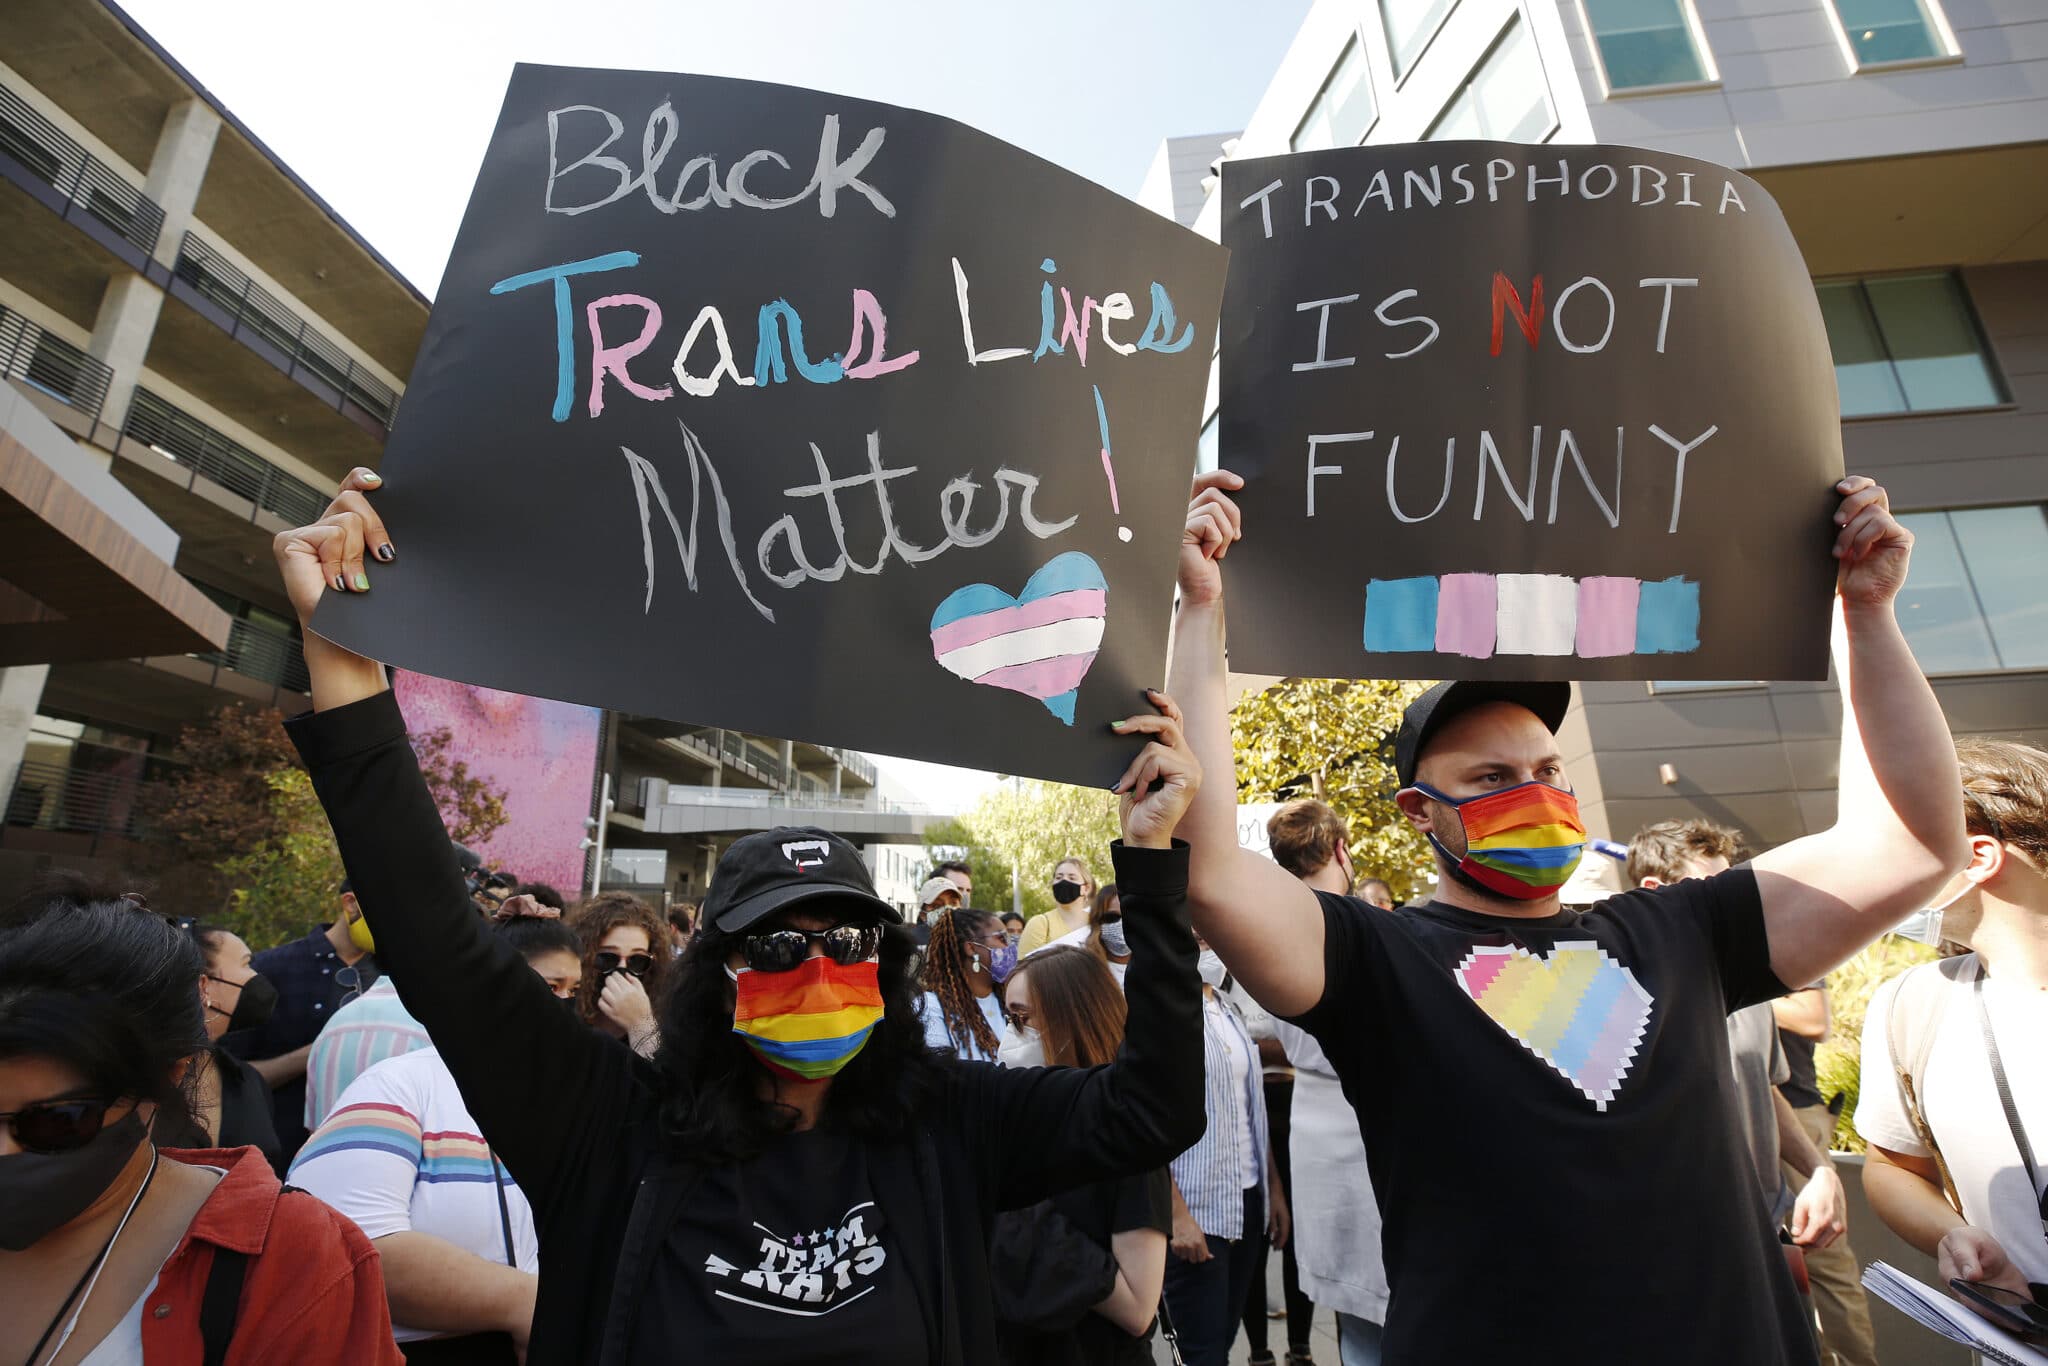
x,y
639,964
782,950
57,1126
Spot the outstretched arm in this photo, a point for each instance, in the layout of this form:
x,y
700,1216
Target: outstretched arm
x,y
1898,831
1264,924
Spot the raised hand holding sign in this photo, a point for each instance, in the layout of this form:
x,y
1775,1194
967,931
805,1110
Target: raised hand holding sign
x,y
848,424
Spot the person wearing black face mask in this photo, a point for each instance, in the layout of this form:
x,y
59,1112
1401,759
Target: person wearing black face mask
x,y
1073,886
231,1102
110,1241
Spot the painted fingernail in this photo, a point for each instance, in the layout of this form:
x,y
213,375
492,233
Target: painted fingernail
x,y
386,553
1117,725
340,584
362,582
372,477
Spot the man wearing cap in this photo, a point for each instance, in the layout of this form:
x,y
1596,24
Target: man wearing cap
x,y
937,894
1545,1094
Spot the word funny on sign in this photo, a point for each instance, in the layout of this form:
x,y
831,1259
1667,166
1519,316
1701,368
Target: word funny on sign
x,y
1508,411
756,407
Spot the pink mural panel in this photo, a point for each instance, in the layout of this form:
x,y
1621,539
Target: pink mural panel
x,y
542,754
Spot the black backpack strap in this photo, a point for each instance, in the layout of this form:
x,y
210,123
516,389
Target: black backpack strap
x,y
221,1303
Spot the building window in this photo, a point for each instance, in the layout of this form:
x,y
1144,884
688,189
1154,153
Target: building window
x,y
1906,344
1343,109
1505,100
1410,24
1205,447
1879,31
1644,44
1972,600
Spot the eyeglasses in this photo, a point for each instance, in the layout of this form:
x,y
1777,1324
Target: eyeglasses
x,y
638,964
350,981
57,1126
785,949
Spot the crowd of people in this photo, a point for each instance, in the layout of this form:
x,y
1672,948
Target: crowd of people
x,y
465,1121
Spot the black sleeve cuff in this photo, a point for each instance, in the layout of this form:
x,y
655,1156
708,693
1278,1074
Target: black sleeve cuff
x,y
1151,872
326,737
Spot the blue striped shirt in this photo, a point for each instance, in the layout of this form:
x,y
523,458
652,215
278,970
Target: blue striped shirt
x,y
1213,1175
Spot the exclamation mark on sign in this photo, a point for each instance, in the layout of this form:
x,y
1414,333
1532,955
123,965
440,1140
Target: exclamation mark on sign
x,y
1123,533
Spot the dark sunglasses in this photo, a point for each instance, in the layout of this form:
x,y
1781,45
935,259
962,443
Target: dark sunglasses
x,y
57,1126
639,964
786,949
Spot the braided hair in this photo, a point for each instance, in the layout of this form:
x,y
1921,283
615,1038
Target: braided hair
x,y
947,962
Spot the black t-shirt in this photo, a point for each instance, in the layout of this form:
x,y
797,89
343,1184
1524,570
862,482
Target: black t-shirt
x,y
1097,1212
783,1262
1550,1123
1802,1089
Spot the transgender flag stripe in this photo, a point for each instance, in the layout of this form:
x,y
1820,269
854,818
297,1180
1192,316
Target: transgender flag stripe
x,y
1075,635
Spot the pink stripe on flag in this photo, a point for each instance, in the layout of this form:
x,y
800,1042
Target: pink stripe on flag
x,y
1607,617
1465,615
1077,602
1041,678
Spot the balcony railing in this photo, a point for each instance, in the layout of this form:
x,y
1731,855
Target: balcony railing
x,y
683,794
53,365
255,310
85,183
206,452
265,653
103,795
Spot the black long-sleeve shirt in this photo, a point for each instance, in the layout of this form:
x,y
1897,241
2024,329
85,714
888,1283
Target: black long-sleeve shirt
x,y
572,1113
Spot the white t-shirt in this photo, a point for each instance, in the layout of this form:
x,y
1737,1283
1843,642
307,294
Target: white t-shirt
x,y
1960,1102
1336,1216
400,1152
937,1036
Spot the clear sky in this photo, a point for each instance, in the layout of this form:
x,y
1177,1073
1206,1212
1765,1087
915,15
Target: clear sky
x,y
384,106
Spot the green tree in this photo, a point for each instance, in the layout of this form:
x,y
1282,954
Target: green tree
x,y
1838,1062
238,834
955,838
1333,740
1035,825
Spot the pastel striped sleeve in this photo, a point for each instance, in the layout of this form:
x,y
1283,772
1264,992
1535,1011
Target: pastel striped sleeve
x,y
365,1161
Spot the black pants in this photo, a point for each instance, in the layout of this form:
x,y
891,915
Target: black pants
x,y
1300,1312
469,1349
1206,1298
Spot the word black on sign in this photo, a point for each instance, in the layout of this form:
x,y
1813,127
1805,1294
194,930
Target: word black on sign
x,y
1508,411
756,407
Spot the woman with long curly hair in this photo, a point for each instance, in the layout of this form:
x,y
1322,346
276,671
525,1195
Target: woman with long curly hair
x,y
965,965
626,962
794,1177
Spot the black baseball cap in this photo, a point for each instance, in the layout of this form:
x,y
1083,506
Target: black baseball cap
x,y
1427,713
766,872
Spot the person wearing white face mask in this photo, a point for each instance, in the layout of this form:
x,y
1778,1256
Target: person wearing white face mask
x,y
1103,935
1954,1098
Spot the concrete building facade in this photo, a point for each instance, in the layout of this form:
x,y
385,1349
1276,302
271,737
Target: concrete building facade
x,y
1907,142
208,348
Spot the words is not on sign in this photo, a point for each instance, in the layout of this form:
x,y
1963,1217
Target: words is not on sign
x,y
1513,411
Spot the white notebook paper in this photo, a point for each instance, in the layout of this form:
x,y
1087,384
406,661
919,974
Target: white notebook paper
x,y
1933,1309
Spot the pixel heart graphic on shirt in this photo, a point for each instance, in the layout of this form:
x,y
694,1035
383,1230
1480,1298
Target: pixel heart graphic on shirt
x,y
1578,1009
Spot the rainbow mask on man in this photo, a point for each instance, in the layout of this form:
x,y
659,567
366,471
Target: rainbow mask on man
x,y
1521,842
811,1021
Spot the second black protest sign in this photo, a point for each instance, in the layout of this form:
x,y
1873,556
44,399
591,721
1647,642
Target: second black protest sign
x,y
763,408
1511,411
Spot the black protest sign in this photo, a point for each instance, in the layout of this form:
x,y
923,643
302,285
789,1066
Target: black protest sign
x,y
757,407
1510,411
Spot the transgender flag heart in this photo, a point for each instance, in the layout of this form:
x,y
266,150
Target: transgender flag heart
x,y
1039,643
1578,1009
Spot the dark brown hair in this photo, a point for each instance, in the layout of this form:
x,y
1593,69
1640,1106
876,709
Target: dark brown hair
x,y
1098,914
1305,836
1075,1006
598,917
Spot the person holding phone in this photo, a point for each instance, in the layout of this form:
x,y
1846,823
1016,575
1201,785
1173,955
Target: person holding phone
x,y
794,1177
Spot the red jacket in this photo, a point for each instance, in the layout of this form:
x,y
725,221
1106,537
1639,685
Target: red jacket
x,y
312,1294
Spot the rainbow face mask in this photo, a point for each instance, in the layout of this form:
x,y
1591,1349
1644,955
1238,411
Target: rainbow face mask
x,y
1521,842
808,1022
